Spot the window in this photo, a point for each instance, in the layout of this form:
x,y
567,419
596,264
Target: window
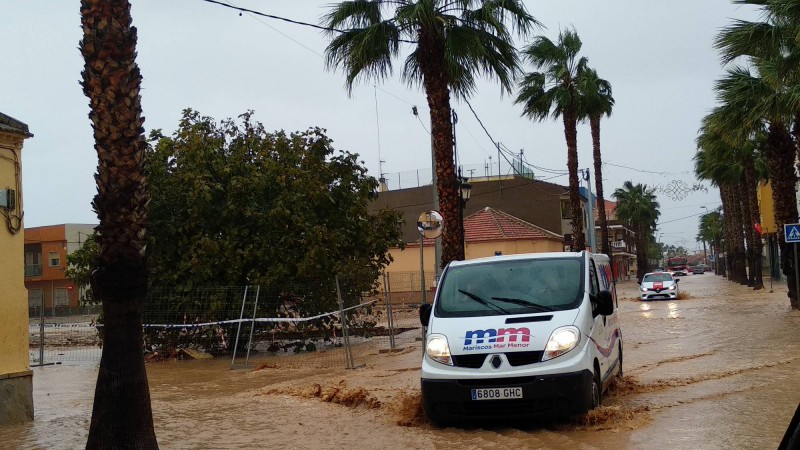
x,y
35,298
55,259
61,297
566,209
594,287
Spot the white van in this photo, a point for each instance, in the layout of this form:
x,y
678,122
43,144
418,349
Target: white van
x,y
534,335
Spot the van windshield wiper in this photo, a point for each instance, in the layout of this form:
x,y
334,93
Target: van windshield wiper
x,y
483,302
522,302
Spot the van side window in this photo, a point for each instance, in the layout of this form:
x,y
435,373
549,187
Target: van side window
x,y
594,287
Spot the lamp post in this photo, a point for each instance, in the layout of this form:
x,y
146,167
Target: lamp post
x,y
464,189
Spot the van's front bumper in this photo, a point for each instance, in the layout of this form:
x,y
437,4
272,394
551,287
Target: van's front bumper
x,y
543,396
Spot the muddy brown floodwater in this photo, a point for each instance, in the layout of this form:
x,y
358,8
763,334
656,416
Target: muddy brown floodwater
x,y
719,369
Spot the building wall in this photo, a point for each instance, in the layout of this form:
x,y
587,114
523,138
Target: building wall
x,y
489,248
408,260
766,208
52,284
16,401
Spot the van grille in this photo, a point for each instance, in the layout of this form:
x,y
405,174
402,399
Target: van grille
x,y
515,359
469,361
523,358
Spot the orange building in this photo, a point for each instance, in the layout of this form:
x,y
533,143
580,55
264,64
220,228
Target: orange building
x,y
46,250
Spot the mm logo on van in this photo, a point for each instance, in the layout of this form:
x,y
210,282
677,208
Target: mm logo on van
x,y
490,338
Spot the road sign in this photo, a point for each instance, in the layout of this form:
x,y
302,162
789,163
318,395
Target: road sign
x,y
791,233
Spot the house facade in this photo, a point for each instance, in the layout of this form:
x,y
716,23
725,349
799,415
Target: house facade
x,y
46,251
536,202
16,377
621,241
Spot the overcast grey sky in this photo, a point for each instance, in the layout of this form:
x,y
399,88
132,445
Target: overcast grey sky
x,y
658,56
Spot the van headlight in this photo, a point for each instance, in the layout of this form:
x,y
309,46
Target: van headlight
x,y
672,288
644,289
561,341
438,350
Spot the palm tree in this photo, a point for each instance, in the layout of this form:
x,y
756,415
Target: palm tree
x,y
122,415
597,102
765,93
719,160
638,207
451,43
553,92
711,231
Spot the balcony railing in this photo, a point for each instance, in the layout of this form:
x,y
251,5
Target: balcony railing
x,y
33,270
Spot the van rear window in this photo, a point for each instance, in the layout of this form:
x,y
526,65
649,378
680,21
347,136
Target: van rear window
x,y
511,287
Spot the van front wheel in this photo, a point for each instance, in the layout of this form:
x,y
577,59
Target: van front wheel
x,y
430,413
596,390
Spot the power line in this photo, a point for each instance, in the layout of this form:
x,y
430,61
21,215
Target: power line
x,y
605,163
295,22
503,150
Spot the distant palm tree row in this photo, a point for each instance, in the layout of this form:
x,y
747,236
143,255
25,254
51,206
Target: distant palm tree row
x,y
753,134
453,42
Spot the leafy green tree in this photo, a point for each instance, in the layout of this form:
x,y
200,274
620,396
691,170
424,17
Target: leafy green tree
x,y
451,43
553,92
597,101
121,416
235,205
637,206
80,265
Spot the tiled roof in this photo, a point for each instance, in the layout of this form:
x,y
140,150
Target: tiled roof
x,y
9,124
490,224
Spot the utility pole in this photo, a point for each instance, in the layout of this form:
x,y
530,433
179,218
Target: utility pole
x,y
437,247
590,225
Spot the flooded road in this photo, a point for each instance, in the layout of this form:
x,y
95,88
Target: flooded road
x,y
719,369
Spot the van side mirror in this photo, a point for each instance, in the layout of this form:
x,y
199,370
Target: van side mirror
x,y
605,303
677,279
425,314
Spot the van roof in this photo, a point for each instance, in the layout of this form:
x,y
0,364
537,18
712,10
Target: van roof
x,y
523,256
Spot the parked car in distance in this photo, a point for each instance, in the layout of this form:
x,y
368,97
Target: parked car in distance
x,y
698,270
659,285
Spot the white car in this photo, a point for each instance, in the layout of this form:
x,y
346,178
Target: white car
x,y
659,285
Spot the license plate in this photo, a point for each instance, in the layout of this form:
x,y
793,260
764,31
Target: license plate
x,y
497,393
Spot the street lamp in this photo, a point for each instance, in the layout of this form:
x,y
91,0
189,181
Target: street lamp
x,y
464,189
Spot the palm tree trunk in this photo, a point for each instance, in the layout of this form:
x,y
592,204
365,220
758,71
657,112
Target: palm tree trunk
x,y
642,265
727,207
121,415
594,123
749,231
757,245
780,153
737,245
571,134
431,48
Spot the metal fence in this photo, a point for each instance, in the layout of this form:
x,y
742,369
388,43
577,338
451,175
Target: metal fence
x,y
250,325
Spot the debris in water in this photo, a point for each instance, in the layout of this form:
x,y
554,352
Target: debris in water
x,y
408,410
342,395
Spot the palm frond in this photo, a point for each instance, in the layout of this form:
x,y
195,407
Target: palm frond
x,y
745,38
364,52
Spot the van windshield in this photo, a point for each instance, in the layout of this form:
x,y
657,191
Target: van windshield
x,y
511,287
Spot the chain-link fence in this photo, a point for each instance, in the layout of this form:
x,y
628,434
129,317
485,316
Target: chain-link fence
x,y
340,327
